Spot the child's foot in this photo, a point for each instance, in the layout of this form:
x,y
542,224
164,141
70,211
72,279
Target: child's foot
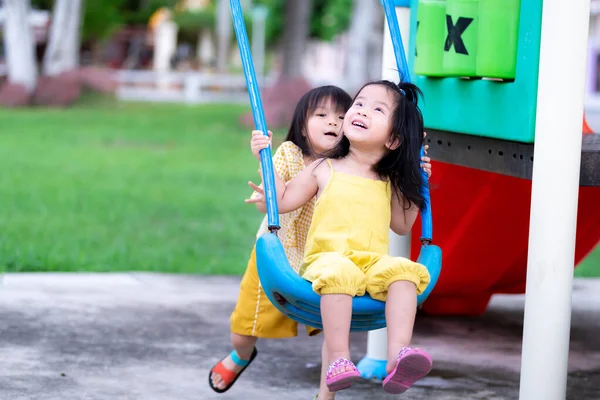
x,y
410,365
340,374
229,365
223,375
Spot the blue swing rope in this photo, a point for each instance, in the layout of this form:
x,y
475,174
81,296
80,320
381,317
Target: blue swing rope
x,y
403,70
260,122
268,175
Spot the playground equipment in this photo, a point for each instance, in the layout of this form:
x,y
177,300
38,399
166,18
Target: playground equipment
x,y
481,131
501,227
482,116
290,293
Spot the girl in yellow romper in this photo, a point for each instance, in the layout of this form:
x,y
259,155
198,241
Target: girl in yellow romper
x,y
370,183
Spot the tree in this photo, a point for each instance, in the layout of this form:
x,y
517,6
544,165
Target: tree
x,y
280,100
365,16
62,53
327,18
18,42
224,33
330,18
376,42
295,35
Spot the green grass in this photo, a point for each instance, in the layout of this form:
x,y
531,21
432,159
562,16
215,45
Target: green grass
x,y
113,186
109,186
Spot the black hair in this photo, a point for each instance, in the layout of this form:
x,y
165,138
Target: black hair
x,y
308,103
401,166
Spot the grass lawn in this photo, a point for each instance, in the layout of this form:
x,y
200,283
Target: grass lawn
x,y
109,186
121,186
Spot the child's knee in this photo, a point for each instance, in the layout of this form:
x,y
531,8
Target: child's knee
x,y
392,269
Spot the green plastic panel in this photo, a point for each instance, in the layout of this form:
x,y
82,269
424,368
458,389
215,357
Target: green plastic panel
x,y
498,38
502,110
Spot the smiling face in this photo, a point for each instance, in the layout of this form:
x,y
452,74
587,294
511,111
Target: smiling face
x,y
368,123
323,127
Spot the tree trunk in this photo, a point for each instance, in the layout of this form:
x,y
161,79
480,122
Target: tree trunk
x,y
295,36
224,31
361,25
205,51
375,49
280,100
18,42
62,53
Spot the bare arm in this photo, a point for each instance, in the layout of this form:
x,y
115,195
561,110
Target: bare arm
x,y
291,196
402,219
296,192
280,164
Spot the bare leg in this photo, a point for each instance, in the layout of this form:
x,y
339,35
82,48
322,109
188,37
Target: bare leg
x,y
400,312
336,312
324,392
243,345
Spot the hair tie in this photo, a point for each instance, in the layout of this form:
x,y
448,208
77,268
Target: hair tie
x,y
402,91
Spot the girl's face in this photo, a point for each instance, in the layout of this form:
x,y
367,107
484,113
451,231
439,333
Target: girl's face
x,y
323,127
368,122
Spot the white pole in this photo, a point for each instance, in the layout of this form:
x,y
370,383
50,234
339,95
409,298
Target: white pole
x,y
372,366
557,156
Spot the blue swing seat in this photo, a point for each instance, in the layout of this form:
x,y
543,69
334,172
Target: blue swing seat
x,y
294,297
290,293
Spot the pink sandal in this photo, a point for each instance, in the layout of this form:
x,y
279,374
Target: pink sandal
x,y
342,380
412,364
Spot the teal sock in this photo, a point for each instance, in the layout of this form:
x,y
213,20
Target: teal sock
x,y
237,360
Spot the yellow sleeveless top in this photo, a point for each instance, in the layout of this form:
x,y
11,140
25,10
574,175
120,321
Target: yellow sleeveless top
x,y
351,217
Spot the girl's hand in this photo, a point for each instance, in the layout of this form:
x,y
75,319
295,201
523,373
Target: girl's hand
x,y
426,161
259,141
426,165
258,196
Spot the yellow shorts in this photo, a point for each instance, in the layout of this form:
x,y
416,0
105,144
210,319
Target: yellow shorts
x,y
254,315
334,273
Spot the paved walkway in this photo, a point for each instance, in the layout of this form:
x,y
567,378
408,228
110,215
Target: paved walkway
x,y
154,337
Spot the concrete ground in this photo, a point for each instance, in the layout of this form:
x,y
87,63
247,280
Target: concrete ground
x,y
155,337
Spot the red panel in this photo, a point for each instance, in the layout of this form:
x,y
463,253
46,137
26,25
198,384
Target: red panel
x,y
481,222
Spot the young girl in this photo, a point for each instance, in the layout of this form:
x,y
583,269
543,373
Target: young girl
x,y
370,183
315,129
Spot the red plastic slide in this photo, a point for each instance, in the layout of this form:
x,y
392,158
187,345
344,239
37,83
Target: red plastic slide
x,y
481,222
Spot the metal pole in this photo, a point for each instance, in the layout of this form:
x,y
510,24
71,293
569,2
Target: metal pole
x,y
554,197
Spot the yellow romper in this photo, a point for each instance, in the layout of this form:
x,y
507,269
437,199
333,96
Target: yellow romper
x,y
347,245
254,315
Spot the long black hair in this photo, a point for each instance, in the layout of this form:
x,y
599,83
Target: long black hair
x,y
401,166
307,105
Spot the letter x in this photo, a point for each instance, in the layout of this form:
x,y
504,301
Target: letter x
x,y
418,22
455,32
